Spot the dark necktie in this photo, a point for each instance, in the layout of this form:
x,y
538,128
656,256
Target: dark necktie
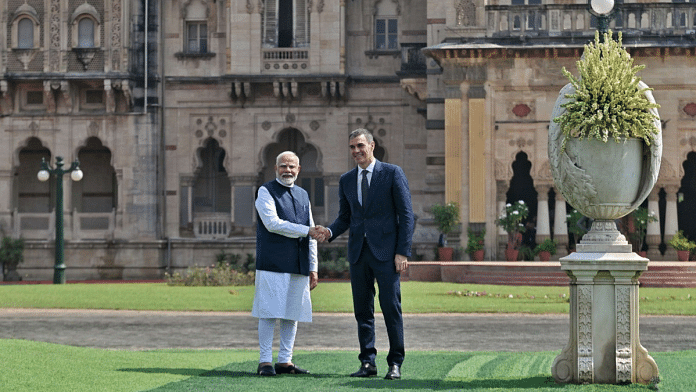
x,y
364,188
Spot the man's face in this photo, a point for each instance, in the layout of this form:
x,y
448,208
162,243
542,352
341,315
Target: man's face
x,y
362,151
287,169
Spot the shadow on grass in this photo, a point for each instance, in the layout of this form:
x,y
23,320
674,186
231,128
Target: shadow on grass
x,y
533,383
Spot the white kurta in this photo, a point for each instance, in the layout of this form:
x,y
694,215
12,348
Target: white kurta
x,y
277,294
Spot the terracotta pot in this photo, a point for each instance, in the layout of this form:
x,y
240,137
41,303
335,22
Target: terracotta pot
x,y
643,253
511,254
544,255
683,255
477,255
445,253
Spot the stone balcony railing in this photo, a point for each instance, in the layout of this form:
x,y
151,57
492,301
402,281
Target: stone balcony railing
x,y
575,19
78,225
94,225
212,225
284,60
33,225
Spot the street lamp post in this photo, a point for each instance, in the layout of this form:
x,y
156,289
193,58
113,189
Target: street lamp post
x,y
603,10
43,175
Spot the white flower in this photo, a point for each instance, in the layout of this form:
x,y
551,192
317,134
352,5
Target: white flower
x,y
521,201
508,205
515,212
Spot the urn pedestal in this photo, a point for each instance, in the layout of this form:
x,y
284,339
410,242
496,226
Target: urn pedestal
x,y
604,344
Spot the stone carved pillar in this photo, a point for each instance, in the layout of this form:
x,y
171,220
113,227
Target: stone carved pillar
x,y
653,237
543,228
501,189
671,220
604,343
560,227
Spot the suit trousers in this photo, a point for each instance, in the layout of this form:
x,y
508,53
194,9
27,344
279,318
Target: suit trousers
x,y
362,279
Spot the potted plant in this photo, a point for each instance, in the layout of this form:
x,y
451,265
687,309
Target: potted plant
x,y
447,217
682,245
11,254
511,222
475,244
641,217
605,142
545,249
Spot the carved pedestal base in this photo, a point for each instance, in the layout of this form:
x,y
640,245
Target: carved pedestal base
x,y
604,344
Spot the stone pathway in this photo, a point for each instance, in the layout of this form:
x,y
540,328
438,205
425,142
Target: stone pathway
x,y
139,330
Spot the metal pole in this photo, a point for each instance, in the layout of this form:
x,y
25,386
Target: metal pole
x,y
602,26
59,267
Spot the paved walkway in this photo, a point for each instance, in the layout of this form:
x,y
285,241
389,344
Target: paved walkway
x,y
139,330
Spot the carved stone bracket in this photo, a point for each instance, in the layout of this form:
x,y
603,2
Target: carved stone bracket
x,y
110,100
49,97
5,101
416,87
241,91
65,92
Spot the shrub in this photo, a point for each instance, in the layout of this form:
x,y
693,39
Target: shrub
x,y
223,273
476,240
446,216
548,245
511,221
680,242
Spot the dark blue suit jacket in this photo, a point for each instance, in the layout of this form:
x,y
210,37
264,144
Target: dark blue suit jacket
x,y
386,222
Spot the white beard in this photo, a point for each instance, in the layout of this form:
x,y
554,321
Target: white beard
x,y
288,180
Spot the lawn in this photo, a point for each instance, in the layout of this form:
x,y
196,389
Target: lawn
x,y
418,297
34,366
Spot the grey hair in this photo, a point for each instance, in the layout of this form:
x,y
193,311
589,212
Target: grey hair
x,y
286,153
361,131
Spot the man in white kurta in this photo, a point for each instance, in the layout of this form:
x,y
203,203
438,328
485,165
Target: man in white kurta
x,y
282,296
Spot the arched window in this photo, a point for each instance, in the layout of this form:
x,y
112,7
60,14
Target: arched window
x,y
85,33
84,25
386,32
25,34
196,15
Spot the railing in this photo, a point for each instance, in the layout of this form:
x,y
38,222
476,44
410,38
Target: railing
x,y
34,225
85,225
212,225
284,59
93,225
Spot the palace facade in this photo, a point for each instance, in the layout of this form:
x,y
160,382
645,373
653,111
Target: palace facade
x,y
176,111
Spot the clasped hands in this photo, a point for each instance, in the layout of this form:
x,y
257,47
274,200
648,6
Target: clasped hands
x,y
319,233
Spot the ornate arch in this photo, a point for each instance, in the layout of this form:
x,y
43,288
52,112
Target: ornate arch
x,y
375,7
203,143
302,146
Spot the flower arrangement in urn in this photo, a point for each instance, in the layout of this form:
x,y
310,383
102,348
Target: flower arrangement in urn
x,y
608,101
511,221
605,142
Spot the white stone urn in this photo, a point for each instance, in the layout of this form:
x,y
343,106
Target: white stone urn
x,y
604,181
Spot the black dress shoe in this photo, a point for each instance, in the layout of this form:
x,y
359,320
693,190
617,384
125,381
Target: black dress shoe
x,y
292,369
266,370
394,373
366,370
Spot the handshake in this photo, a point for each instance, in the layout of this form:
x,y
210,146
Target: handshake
x,y
319,233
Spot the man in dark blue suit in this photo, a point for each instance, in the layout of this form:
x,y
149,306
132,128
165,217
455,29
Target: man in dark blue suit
x,y
375,204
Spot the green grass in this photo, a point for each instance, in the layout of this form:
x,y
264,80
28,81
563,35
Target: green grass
x,y
33,366
418,297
